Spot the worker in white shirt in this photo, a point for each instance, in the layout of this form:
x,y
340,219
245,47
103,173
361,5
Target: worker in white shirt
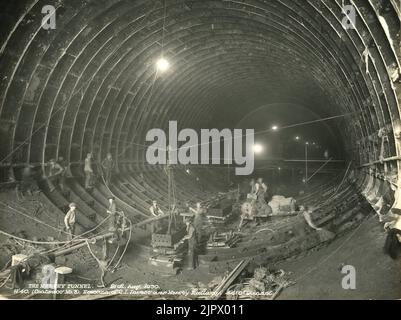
x,y
69,220
198,221
88,171
192,244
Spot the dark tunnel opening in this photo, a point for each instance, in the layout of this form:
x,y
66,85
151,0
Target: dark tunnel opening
x,y
317,80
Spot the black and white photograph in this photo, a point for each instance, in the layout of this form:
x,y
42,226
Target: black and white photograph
x,y
214,152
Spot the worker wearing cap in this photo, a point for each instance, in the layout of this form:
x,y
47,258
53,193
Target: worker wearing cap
x,y
192,243
69,220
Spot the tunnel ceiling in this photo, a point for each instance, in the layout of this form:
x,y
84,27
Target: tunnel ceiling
x,y
91,83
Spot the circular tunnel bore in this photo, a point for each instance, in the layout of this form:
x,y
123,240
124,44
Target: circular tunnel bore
x,y
318,82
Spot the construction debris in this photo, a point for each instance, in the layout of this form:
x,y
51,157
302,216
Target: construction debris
x,y
263,285
223,240
280,204
168,251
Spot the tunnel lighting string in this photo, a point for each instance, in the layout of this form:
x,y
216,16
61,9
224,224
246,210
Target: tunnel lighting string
x,y
118,198
59,230
32,241
30,217
243,135
317,171
75,239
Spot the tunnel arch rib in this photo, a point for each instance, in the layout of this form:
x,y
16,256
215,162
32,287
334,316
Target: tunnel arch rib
x,y
91,84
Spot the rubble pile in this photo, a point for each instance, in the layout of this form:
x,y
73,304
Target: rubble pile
x,y
12,247
263,285
82,262
280,204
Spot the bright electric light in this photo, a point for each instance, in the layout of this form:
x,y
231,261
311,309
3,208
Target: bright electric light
x,y
275,128
257,148
188,171
162,65
307,143
297,138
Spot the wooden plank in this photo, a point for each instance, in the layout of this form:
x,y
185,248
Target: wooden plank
x,y
225,284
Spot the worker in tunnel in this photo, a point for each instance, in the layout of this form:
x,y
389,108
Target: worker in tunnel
x,y
198,221
156,211
64,164
107,166
306,223
261,190
111,211
192,244
55,177
27,184
252,191
392,246
70,219
88,170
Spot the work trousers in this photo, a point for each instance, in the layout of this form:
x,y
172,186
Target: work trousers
x,y
192,255
71,231
107,176
57,180
88,179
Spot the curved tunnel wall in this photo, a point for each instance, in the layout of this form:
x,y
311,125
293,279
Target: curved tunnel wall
x,y
91,84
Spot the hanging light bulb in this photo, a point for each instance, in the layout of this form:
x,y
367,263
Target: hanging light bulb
x,y
257,148
162,65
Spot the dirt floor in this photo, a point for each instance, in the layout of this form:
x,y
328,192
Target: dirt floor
x,y
318,275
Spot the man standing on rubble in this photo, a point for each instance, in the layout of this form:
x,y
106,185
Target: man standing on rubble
x,y
192,243
261,189
88,171
155,211
198,221
108,166
69,220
